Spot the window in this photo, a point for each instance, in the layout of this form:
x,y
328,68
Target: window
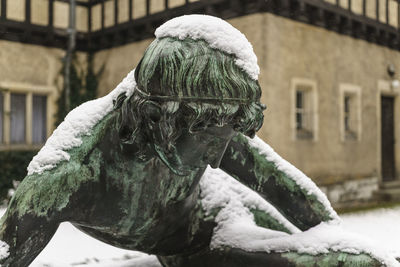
x,y
350,112
305,109
18,119
39,120
23,117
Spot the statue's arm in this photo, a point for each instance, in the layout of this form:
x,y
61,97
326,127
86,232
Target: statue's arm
x,y
255,164
40,203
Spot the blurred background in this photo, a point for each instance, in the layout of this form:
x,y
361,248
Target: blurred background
x,y
330,75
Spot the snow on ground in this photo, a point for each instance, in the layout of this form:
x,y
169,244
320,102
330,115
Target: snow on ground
x,y
70,247
380,225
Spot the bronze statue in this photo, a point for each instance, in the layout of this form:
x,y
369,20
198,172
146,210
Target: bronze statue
x,y
134,181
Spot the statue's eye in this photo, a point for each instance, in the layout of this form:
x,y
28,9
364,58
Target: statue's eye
x,y
198,127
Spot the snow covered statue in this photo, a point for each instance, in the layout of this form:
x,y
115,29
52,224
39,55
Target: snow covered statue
x,y
131,168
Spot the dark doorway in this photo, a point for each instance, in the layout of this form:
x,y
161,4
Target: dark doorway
x,y
387,135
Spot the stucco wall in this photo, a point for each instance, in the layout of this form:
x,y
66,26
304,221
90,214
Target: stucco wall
x,y
35,69
118,62
297,50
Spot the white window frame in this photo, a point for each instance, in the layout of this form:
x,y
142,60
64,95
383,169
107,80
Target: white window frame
x,y
353,91
8,88
312,91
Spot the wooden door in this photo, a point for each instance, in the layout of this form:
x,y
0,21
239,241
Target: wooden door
x,y
387,136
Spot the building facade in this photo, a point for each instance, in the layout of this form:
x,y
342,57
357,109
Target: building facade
x,y
330,74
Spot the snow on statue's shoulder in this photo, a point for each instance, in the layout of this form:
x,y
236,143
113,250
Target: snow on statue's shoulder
x,y
78,123
218,33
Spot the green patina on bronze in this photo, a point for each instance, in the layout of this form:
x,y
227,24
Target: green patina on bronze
x,y
301,208
263,219
134,182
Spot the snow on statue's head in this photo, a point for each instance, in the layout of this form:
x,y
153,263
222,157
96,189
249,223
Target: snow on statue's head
x,y
199,71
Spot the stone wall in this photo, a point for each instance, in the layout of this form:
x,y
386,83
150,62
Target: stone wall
x,y
350,193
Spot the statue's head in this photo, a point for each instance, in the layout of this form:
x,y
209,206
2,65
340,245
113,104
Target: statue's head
x,y
190,100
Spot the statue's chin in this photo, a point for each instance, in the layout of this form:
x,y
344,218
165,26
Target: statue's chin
x,y
173,162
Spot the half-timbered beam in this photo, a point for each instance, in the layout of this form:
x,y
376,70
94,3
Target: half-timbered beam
x,y
377,9
116,11
364,7
3,9
78,3
398,17
89,19
387,11
102,15
51,13
27,11
147,7
130,10
316,12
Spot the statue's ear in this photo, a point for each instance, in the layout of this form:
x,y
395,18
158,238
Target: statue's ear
x,y
152,111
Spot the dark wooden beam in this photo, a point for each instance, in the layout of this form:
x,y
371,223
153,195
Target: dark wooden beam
x,y
89,21
3,10
116,11
51,13
364,7
147,7
40,35
398,17
387,11
166,4
78,3
130,10
93,2
102,15
316,12
377,10
27,11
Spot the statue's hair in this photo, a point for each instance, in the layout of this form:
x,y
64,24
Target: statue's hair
x,y
181,69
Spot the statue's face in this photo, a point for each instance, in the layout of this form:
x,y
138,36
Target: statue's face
x,y
194,151
204,147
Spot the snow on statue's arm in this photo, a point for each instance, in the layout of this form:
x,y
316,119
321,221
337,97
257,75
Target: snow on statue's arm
x,y
255,164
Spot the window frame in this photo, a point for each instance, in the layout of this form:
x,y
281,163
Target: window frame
x,y
352,91
8,88
308,86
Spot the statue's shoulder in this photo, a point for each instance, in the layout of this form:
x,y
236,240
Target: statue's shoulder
x,y
79,133
83,128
